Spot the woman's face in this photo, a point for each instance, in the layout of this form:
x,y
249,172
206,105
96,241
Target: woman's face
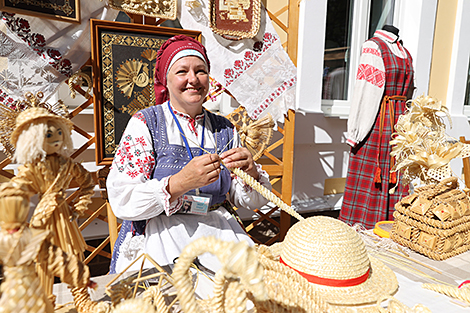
x,y
54,138
188,84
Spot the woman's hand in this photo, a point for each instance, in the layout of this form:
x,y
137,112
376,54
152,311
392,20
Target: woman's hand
x,y
241,158
199,172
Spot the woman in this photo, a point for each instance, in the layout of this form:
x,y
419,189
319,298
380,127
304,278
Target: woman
x,y
175,152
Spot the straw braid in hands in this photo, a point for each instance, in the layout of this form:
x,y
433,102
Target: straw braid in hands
x,y
462,294
199,172
240,158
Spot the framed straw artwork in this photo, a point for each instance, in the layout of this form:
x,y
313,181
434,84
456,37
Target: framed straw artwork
x,y
235,20
123,60
63,10
158,9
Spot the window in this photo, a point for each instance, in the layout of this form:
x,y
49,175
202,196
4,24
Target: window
x,y
467,92
348,24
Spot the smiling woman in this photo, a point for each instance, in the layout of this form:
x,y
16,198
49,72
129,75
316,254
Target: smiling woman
x,y
171,154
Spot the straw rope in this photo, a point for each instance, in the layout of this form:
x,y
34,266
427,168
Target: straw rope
x,y
462,294
82,300
154,295
238,259
266,193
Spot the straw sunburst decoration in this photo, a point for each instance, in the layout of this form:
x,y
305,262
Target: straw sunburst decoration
x,y
420,145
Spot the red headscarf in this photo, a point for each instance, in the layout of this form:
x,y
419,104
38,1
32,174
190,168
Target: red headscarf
x,y
164,56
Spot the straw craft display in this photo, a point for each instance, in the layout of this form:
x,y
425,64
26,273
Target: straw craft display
x,y
434,221
421,148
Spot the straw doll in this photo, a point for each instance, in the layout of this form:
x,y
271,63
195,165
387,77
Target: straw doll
x,y
20,248
43,144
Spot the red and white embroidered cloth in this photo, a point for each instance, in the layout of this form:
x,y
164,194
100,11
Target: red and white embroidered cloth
x,y
258,72
38,54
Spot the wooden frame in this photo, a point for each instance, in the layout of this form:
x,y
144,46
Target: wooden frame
x,y
123,59
65,10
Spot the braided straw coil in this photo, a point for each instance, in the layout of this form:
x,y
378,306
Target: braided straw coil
x,y
462,294
325,249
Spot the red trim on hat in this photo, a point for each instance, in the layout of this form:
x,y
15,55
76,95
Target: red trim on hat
x,y
331,282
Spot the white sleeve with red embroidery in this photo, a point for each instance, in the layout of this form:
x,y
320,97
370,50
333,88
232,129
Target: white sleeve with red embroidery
x,y
132,193
368,91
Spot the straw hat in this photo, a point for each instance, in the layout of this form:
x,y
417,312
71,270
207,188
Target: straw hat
x,y
333,258
25,118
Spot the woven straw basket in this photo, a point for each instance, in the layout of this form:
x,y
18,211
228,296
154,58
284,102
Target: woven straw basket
x,y
434,221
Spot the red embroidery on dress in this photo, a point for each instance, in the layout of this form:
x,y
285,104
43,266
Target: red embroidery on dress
x,y
371,74
141,140
371,51
21,27
250,57
140,116
133,159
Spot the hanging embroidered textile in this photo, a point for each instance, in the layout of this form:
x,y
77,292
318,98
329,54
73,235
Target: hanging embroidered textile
x,y
235,20
165,9
38,54
257,72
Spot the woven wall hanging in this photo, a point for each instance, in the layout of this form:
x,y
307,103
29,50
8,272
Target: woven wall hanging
x,y
235,19
165,9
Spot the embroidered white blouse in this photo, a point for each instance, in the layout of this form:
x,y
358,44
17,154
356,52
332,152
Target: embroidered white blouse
x,y
369,86
133,195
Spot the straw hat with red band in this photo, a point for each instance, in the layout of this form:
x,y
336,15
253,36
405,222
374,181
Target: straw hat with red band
x,y
165,55
333,258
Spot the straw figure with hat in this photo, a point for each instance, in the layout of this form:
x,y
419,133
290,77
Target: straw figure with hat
x,y
325,257
21,248
34,135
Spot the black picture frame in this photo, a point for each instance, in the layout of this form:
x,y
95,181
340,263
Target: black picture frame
x,y
123,61
62,10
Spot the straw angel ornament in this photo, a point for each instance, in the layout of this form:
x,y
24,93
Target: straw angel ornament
x,y
41,141
420,145
21,248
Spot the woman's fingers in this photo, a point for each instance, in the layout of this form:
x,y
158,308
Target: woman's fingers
x,y
240,158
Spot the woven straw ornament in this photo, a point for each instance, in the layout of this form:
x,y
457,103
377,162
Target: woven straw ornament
x,y
420,145
16,117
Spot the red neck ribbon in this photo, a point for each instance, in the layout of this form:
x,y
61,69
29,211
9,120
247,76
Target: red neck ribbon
x,y
331,281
